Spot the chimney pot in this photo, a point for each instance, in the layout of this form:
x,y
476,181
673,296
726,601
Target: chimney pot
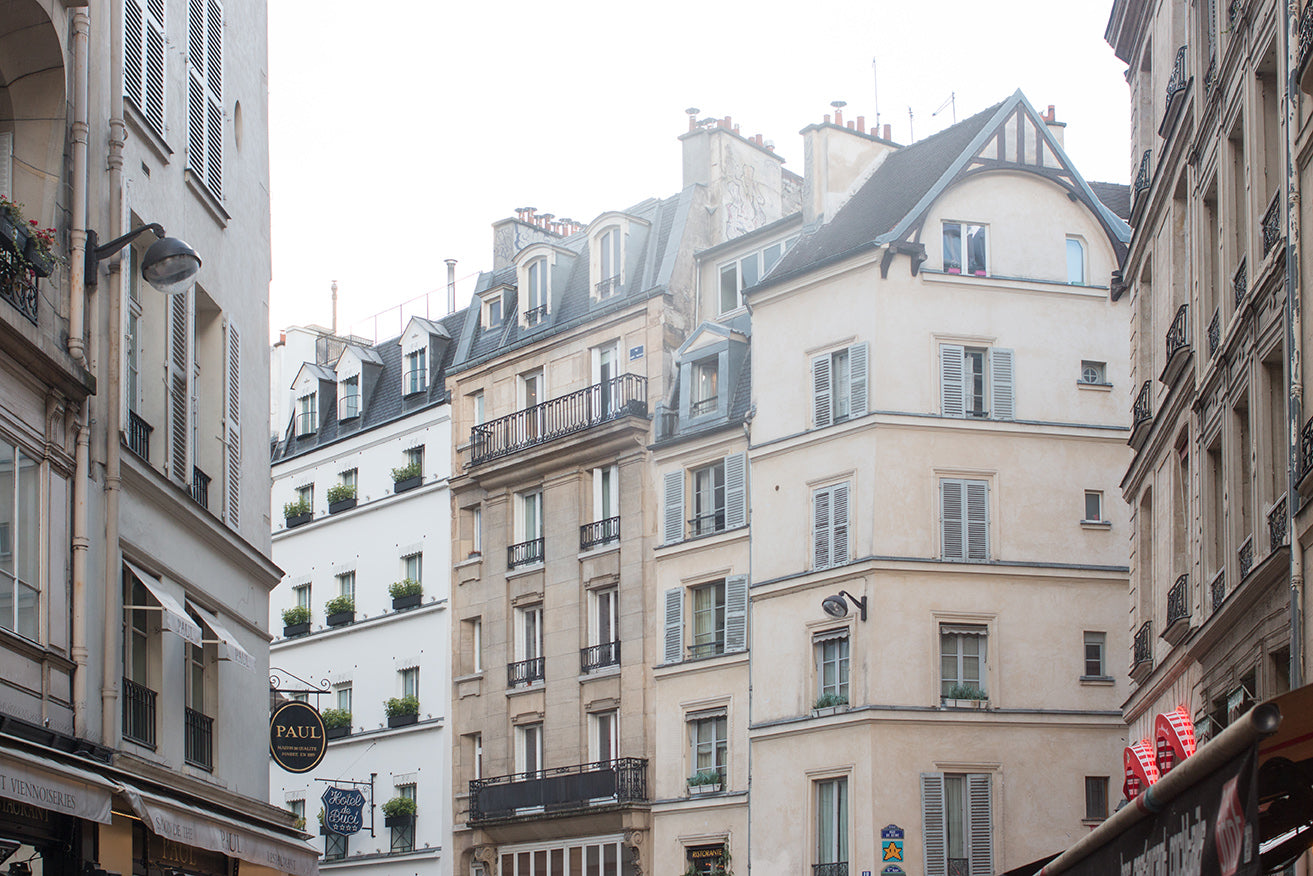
x,y
851,126
861,124
1052,116
451,286
827,118
838,116
886,133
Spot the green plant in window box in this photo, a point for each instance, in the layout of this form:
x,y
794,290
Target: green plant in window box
x,y
340,604
299,824
966,692
409,470
334,718
405,587
341,492
297,614
830,700
296,508
399,806
704,777
407,705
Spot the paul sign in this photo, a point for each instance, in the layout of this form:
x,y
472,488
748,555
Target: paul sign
x,y
296,737
343,809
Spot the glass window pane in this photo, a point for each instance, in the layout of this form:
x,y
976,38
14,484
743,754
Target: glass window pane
x,y
7,496
976,249
749,268
729,287
1075,261
953,249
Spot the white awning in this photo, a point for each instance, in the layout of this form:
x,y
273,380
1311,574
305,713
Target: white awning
x,y
56,787
174,616
229,648
206,829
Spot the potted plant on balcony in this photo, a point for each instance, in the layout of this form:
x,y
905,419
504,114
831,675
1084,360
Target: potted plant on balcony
x,y
704,782
296,621
399,812
340,610
402,711
406,593
829,703
296,512
13,230
406,477
39,251
323,831
966,696
337,723
341,497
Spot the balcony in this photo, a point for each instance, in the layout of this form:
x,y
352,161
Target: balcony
x,y
526,553
18,284
1217,589
139,436
1306,450
348,407
138,713
1141,415
707,524
570,414
526,672
1175,86
1143,664
562,789
1245,557
1178,611
198,748
1214,332
1305,49
200,487
600,533
1178,346
608,287
1272,224
1276,524
306,424
1144,177
535,315
599,656
415,380
837,868
1240,283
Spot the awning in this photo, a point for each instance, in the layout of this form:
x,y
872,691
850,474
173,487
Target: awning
x,y
229,648
173,615
56,787
203,828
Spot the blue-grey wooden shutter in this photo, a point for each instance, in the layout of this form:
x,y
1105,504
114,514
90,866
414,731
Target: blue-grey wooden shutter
x,y
951,518
951,391
180,371
839,524
933,828
1002,387
857,380
821,407
233,429
672,526
736,612
821,529
977,520
736,490
674,625
980,846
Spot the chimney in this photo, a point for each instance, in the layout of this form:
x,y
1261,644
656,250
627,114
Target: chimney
x,y
1056,128
837,158
334,308
861,124
451,286
885,135
692,117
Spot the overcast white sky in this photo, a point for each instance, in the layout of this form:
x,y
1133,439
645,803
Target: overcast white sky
x,y
397,141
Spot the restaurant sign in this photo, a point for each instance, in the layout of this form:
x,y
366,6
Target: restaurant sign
x,y
343,809
296,737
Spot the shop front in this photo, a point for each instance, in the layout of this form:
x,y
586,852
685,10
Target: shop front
x,y
43,805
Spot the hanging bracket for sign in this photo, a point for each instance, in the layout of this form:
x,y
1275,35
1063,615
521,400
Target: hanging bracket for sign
x,y
276,684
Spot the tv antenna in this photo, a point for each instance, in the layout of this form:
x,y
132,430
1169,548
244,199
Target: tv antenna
x,y
875,80
951,102
911,132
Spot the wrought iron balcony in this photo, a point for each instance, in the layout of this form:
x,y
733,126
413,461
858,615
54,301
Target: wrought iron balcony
x,y
599,656
583,409
707,649
1240,283
1305,35
526,671
601,532
18,284
1178,606
1306,448
1143,646
200,487
139,435
562,789
416,380
836,868
348,407
198,749
526,553
1245,556
1143,409
1214,332
535,315
1178,337
1217,589
608,287
1276,524
1176,84
1272,224
138,713
306,424
703,406
707,524
1145,175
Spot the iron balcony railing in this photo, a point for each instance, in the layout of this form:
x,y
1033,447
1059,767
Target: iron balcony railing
x,y
618,397
703,406
139,435
706,524
138,713
1214,332
306,424
1306,448
707,649
200,487
834,868
1272,224
535,315
1144,177
1178,335
348,407
601,532
1143,409
599,656
526,671
1178,600
1276,524
416,380
959,867
1217,589
1176,84
1245,556
608,287
1240,283
18,284
1305,35
198,748
560,789
1143,644
526,553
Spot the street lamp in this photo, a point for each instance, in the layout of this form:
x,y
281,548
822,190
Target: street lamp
x,y
837,605
169,264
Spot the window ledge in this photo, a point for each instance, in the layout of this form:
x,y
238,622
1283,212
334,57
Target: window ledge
x,y
1096,524
604,672
1098,680
1092,822
473,559
153,138
1097,387
526,688
210,201
598,550
521,571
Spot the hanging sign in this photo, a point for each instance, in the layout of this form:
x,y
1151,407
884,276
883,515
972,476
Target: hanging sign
x,y
296,737
343,809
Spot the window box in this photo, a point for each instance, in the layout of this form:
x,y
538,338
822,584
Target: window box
x,y
42,263
950,703
404,484
403,602
338,618
703,790
341,505
402,721
291,630
13,234
298,519
826,711
337,732
398,820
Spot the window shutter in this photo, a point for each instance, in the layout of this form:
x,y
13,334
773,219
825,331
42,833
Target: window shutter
x,y
205,93
674,625
977,508
857,383
839,524
951,361
673,519
736,613
736,492
821,391
932,824
153,72
821,529
233,460
179,395
1003,401
951,518
980,846
134,45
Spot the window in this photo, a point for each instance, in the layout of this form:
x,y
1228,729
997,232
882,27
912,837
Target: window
x,y
976,382
349,407
476,644
344,696
957,812
412,567
403,833
604,736
476,525
346,584
529,749
529,664
297,808
708,620
710,745
476,408
962,661
409,680
1075,261
350,478
307,423
960,236
705,391
607,398
335,846
719,499
964,518
1093,506
302,594
493,313
1096,798
606,493
1093,372
832,664
132,344
716,623
612,263
306,495
414,457
708,500
476,755
830,526
21,540
531,395
417,377
747,271
839,382
205,132
832,823
535,307
144,59
528,530
1095,645
194,677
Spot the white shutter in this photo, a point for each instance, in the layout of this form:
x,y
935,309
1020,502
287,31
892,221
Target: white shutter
x,y
977,519
674,625
952,518
672,527
821,407
1003,402
736,613
821,529
736,490
839,524
233,430
857,382
980,846
134,45
933,828
153,69
951,361
7,164
179,374
205,93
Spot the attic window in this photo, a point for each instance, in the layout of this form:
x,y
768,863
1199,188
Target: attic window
x,y
493,316
307,423
610,263
349,404
536,283
748,270
964,249
416,377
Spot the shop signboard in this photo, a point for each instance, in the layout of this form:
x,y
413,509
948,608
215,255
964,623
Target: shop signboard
x,y
343,809
296,737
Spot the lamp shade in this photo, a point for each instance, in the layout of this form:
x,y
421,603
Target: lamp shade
x,y
835,606
170,265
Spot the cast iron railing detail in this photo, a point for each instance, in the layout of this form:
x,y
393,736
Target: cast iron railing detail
x,y
1143,409
1177,600
18,284
535,315
348,407
138,713
618,397
706,524
1145,175
305,424
1176,84
1234,10
836,868
1245,556
525,671
1214,332
1306,448
200,487
608,287
598,656
525,553
1272,224
703,406
1143,644
707,649
601,532
1217,589
1276,524
139,435
1305,34
1240,283
199,745
560,789
1177,337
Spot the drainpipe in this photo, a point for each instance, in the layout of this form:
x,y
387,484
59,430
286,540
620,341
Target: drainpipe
x,y
1294,341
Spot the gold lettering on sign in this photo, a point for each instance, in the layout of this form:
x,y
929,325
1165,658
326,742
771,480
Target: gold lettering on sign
x,y
176,852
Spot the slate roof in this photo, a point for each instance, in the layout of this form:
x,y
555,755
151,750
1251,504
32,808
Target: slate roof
x,y
1115,196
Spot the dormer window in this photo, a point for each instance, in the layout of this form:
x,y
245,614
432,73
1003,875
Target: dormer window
x,y
349,402
535,300
493,314
611,260
705,387
416,376
747,270
307,422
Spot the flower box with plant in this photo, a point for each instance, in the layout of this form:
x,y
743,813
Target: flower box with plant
x,y
340,610
966,696
829,703
341,497
704,782
39,252
337,723
406,593
399,812
296,512
296,621
402,710
13,230
406,477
